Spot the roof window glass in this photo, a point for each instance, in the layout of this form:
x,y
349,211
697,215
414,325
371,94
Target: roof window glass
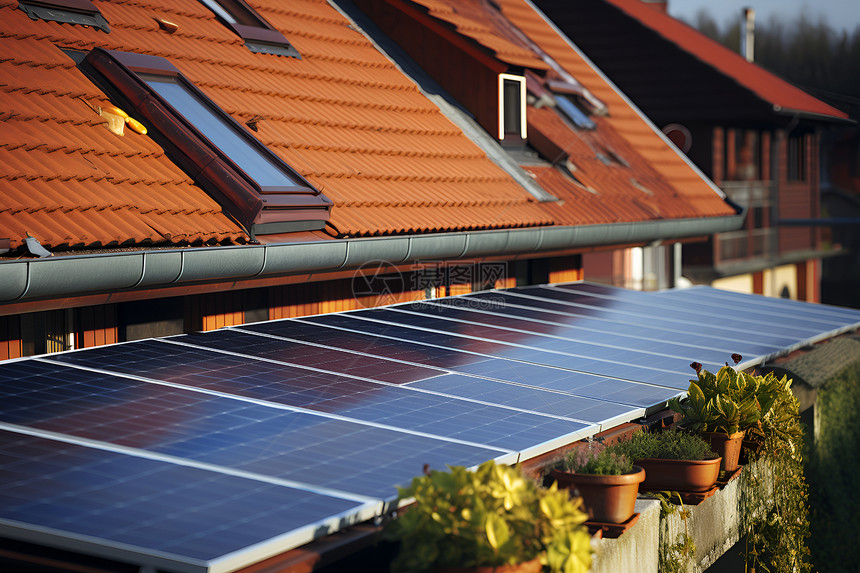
x,y
214,126
573,113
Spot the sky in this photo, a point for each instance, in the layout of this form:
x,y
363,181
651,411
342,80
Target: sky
x,y
839,14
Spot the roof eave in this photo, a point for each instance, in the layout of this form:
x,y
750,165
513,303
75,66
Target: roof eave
x,y
60,277
810,115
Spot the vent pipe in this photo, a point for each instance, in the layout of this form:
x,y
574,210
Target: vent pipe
x,y
748,34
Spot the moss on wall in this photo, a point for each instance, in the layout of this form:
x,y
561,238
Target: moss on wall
x,y
833,473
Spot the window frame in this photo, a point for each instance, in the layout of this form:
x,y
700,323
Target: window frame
x,y
796,158
80,12
289,207
260,36
503,129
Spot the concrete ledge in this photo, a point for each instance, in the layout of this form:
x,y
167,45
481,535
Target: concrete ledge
x,y
637,550
715,525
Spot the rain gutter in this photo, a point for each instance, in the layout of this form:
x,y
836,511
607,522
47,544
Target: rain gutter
x,y
66,276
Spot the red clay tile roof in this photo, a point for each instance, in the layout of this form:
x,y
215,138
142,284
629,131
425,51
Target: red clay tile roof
x,y
652,180
677,190
474,21
764,84
343,116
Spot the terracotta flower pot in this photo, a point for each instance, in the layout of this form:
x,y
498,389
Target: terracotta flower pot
x,y
679,475
607,499
532,566
726,446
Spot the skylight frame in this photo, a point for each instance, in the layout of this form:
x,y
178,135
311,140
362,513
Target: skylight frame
x,y
80,12
503,129
260,36
288,207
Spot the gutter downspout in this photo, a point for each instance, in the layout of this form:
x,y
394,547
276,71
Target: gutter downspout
x,y
56,277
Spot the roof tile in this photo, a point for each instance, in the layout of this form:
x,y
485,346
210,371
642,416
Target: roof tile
x,y
342,115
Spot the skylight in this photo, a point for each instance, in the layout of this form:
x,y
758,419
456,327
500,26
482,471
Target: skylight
x,y
81,12
573,113
251,183
259,35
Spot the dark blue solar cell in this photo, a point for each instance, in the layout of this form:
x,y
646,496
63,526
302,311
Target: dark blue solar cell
x,y
398,325
777,308
342,396
557,326
249,436
153,507
536,399
745,316
730,327
625,322
314,356
524,373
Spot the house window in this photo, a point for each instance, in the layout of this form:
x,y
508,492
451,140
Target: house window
x,y
250,182
573,113
796,159
81,12
260,36
512,106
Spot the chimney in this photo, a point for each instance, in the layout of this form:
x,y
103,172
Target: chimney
x,y
748,34
661,6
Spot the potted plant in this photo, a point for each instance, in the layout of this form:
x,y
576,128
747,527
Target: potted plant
x,y
673,460
721,407
608,482
490,519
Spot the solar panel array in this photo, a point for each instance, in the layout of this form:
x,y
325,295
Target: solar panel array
x,y
212,451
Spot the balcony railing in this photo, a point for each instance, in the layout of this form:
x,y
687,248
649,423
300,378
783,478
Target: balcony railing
x,y
745,244
748,193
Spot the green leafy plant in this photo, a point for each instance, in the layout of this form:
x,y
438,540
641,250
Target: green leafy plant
x,y
722,402
596,459
491,516
777,405
776,511
666,445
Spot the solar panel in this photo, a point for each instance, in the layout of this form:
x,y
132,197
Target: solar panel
x,y
562,337
740,303
343,455
153,512
743,314
351,398
500,369
613,321
398,327
729,327
213,451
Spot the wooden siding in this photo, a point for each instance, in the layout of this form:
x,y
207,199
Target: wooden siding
x,y
95,326
10,337
565,269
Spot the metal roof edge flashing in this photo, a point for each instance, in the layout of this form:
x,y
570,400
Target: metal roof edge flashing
x,y
24,280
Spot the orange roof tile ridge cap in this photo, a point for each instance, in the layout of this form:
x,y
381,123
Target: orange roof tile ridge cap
x,y
709,57
467,126
626,99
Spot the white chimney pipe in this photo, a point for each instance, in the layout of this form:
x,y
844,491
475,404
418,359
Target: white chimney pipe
x,y
748,34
